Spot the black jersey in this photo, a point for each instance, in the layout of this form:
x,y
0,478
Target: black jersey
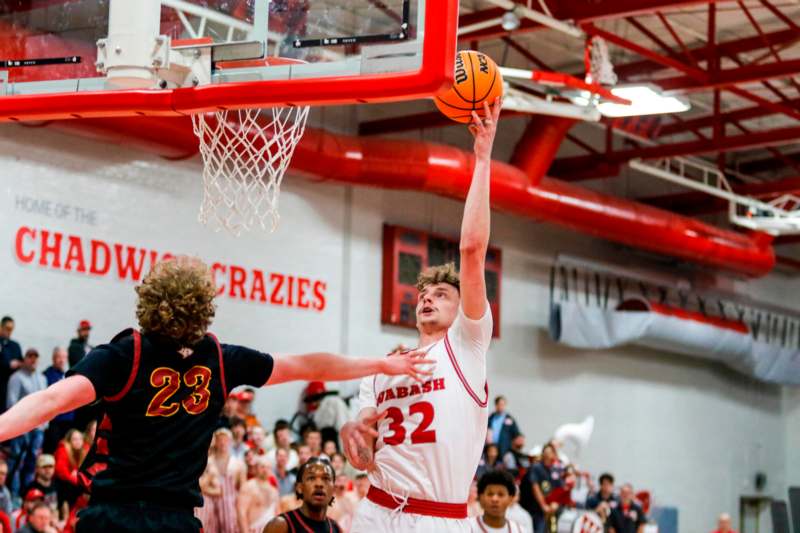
x,y
299,523
160,410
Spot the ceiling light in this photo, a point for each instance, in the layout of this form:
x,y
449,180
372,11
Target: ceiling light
x,y
645,100
510,21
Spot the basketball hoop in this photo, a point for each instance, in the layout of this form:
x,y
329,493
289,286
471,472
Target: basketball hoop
x,y
244,160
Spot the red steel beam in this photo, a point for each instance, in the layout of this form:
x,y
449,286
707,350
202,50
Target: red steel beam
x,y
736,76
701,53
571,168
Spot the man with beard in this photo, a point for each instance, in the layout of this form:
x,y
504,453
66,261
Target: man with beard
x,y
315,490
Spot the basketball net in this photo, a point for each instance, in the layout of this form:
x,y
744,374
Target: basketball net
x,y
599,68
244,161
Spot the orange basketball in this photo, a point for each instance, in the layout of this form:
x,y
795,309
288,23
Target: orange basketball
x,y
478,80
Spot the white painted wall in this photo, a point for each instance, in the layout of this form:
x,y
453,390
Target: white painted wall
x,y
693,433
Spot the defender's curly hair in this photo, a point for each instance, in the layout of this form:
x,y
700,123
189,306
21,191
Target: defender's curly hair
x,y
446,273
176,300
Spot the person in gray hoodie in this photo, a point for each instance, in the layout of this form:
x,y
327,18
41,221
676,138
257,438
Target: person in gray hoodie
x,y
25,448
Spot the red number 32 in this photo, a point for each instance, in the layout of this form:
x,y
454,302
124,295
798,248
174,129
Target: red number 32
x,y
168,381
421,435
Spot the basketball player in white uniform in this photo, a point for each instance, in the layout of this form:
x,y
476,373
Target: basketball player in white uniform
x,y
430,434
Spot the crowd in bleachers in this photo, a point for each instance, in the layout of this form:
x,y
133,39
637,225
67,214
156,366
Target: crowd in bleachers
x,y
251,472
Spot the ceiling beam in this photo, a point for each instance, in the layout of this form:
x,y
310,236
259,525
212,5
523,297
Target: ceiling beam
x,y
572,168
736,76
759,166
701,53
738,115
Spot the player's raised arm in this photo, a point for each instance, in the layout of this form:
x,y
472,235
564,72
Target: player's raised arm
x,y
330,367
475,226
35,409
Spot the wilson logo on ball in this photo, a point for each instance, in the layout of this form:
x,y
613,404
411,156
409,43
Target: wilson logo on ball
x,y
477,80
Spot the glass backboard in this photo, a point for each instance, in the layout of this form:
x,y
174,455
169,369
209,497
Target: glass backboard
x,y
95,58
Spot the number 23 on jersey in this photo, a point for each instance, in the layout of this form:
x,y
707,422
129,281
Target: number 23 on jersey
x,y
168,382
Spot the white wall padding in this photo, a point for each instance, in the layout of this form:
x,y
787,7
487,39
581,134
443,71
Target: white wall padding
x,y
581,326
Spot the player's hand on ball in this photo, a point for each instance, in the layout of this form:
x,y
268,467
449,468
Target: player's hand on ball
x,y
412,364
484,130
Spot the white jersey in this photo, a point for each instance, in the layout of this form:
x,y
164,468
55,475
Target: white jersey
x,y
432,436
479,526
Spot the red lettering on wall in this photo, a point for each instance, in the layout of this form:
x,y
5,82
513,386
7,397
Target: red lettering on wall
x,y
277,279
291,291
216,267
95,267
238,277
130,266
319,295
23,232
257,291
302,288
75,255
50,249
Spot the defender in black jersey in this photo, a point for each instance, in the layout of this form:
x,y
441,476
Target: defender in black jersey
x,y
314,488
161,393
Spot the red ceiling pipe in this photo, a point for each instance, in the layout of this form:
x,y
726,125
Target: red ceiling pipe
x,y
447,171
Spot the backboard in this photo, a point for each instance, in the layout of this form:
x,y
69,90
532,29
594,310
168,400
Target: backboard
x,y
103,58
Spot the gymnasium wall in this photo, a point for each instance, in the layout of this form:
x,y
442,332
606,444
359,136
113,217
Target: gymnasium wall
x,y
692,432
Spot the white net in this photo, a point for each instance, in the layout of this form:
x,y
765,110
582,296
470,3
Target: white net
x,y
602,70
245,155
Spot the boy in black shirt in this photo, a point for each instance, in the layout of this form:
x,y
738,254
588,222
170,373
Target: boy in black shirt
x,y
162,392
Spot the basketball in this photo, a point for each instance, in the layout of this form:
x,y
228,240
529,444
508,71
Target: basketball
x,y
477,80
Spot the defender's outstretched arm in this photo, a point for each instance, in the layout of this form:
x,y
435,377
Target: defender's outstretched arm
x,y
330,367
40,407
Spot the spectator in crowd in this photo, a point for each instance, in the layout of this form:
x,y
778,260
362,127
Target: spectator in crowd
x,y
303,455
229,411
540,480
5,494
286,480
58,426
239,432
10,356
603,501
79,346
502,427
25,448
489,460
496,491
5,523
224,477
39,520
44,480
257,440
245,405
313,439
329,448
724,524
627,517
69,455
516,460
20,517
362,485
339,462
283,440
315,488
258,500
344,503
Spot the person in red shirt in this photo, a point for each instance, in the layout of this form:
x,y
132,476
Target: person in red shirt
x,y
724,524
69,455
